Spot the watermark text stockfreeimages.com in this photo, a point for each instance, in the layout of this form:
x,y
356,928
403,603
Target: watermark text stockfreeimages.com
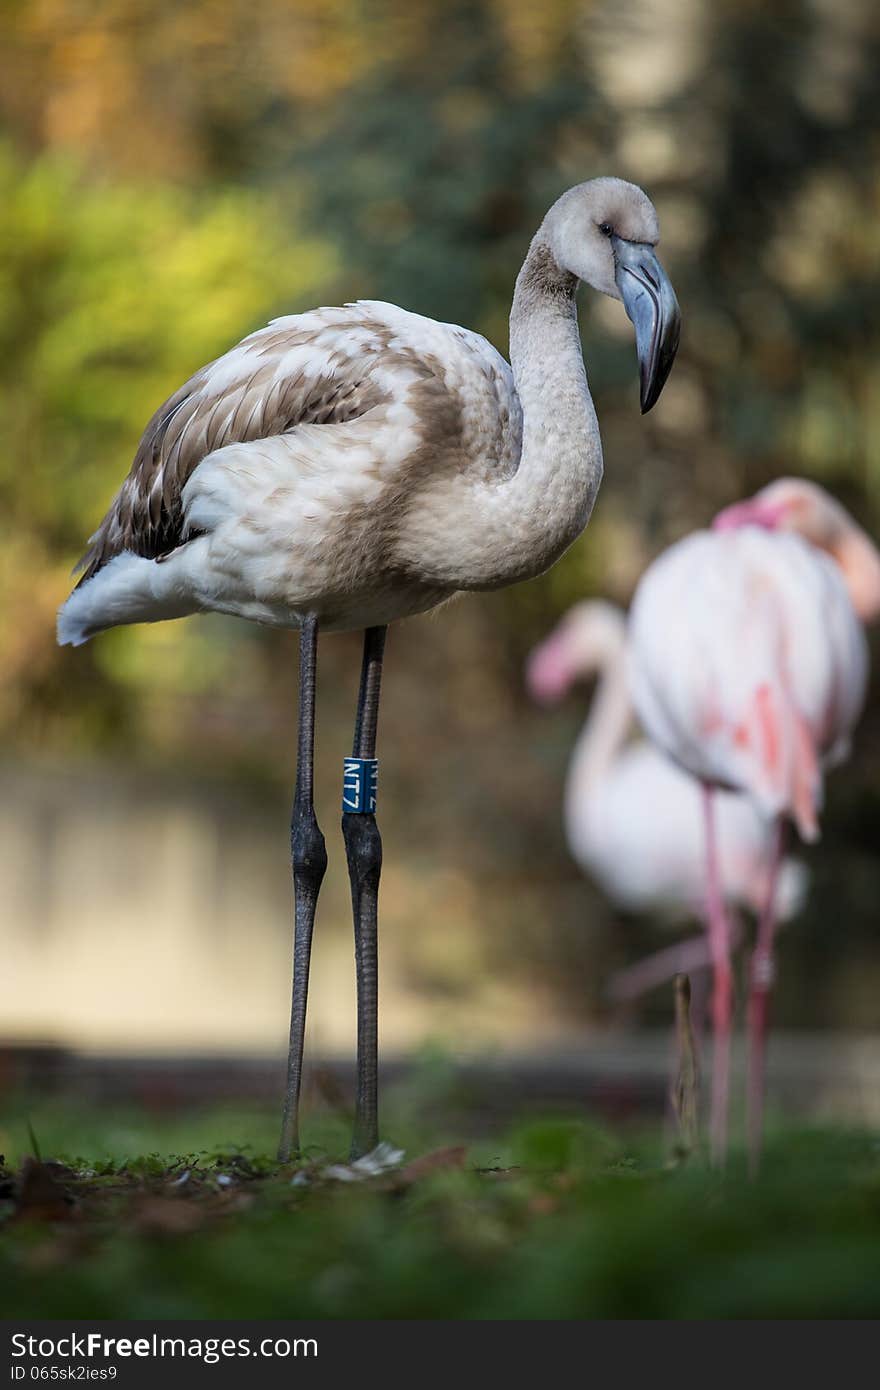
x,y
91,1345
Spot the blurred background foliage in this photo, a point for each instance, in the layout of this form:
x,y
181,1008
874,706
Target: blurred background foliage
x,y
173,174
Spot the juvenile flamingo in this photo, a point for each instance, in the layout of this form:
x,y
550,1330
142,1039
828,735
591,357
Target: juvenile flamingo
x,y
350,466
633,818
749,668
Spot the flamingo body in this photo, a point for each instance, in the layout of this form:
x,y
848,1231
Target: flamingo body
x,y
640,835
633,819
300,473
749,665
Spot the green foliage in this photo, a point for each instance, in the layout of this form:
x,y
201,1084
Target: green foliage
x,y
580,1228
437,165
554,1146
111,293
788,260
112,290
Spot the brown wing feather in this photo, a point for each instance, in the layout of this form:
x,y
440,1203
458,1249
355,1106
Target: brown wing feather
x,y
146,516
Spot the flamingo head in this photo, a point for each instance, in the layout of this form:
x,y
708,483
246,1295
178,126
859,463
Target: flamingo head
x,y
796,504
605,233
589,634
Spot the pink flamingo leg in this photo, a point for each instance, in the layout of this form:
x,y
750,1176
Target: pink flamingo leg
x,y
761,976
722,992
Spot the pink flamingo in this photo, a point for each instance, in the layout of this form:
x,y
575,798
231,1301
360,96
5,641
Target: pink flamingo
x,y
633,819
796,504
748,668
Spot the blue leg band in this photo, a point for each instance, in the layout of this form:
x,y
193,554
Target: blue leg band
x,y
360,777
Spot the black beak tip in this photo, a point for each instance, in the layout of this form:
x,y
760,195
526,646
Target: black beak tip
x,y
650,391
655,376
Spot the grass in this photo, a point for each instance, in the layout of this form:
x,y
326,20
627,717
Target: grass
x,y
171,1217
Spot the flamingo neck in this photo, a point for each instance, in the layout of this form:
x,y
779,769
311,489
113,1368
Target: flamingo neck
x,y
485,532
603,735
529,515
560,467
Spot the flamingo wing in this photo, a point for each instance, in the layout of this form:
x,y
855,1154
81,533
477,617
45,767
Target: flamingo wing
x,y
329,367
316,368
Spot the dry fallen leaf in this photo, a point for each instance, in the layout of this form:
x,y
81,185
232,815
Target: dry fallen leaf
x,y
41,1196
435,1162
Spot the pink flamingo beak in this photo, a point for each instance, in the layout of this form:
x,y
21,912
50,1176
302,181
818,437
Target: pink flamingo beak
x,y
548,673
753,512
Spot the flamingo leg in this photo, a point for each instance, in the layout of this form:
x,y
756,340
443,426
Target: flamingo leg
x,y
687,957
363,847
702,982
309,859
722,990
761,977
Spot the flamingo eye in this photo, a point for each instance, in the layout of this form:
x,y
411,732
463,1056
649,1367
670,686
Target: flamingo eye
x,y
605,228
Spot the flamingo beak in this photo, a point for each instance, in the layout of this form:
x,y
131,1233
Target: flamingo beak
x,y
650,303
548,676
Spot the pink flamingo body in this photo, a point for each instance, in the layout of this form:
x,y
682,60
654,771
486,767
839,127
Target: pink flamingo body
x,y
749,665
633,818
802,506
749,668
